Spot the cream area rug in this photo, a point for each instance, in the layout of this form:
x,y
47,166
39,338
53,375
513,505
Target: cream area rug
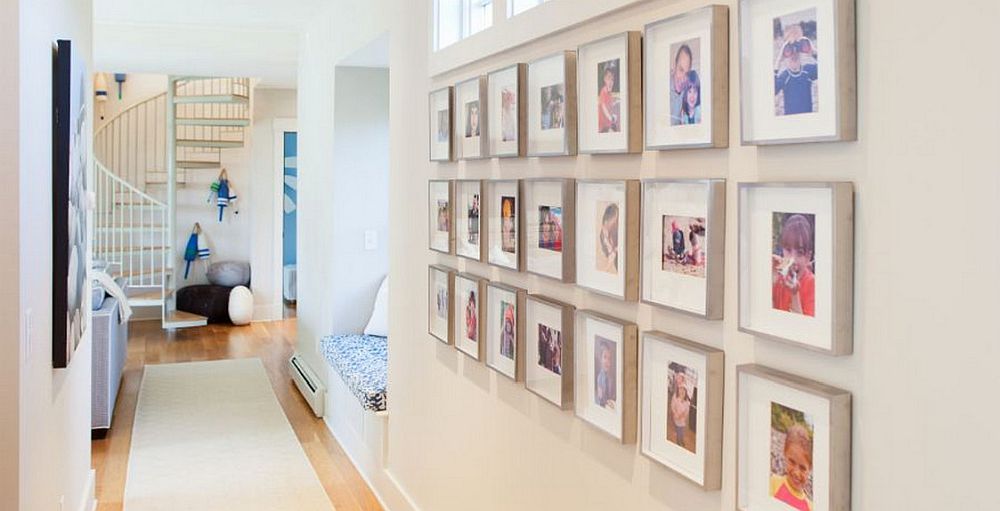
x,y
212,436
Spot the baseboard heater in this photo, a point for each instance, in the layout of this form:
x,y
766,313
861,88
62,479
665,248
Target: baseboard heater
x,y
309,385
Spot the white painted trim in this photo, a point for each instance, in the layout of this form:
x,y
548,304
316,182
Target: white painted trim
x,y
89,502
279,126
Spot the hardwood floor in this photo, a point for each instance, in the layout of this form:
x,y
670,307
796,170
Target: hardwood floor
x,y
273,343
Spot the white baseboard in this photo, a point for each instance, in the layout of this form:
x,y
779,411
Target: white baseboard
x,y
88,502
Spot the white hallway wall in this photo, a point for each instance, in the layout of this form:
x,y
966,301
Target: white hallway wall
x,y
925,297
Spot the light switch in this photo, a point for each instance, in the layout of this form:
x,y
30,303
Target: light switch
x,y
371,240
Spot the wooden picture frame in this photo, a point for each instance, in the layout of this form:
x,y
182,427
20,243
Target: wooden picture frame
x,y
434,234
497,139
495,249
444,95
538,259
593,273
514,369
619,420
464,247
555,388
434,304
476,147
627,47
461,340
538,71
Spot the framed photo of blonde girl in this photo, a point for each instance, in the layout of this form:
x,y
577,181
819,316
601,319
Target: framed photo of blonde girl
x,y
796,250
606,374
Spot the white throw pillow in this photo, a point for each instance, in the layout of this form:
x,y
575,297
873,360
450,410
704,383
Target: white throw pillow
x,y
378,324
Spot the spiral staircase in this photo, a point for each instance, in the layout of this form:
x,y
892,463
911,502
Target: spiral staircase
x,y
141,156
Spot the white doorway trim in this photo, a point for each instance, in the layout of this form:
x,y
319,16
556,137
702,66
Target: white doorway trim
x,y
280,126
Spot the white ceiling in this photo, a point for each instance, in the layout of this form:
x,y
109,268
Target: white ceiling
x,y
373,54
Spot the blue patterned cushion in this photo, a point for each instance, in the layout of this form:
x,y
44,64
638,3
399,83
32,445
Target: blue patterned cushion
x,y
362,362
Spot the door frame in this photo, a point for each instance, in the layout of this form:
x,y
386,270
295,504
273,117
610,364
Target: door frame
x,y
280,126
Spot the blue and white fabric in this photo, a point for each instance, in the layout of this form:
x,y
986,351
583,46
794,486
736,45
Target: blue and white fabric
x,y
362,362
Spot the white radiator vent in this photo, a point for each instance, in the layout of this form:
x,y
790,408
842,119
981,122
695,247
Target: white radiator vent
x,y
309,385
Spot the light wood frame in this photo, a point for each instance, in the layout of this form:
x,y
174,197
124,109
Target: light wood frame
x,y
719,48
840,429
519,330
714,256
483,233
568,375
633,68
842,278
451,124
450,272
571,130
521,252
484,120
522,113
714,394
481,284
451,216
630,374
569,228
845,44
633,234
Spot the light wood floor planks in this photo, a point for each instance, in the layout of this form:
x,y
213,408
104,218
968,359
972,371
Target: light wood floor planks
x,y
273,343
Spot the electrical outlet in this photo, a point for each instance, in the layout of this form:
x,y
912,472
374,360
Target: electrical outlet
x,y
371,240
26,337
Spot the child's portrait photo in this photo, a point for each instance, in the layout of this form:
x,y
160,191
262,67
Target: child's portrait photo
x,y
471,317
553,106
682,404
443,216
443,126
609,97
550,233
550,348
441,307
508,323
508,117
796,64
793,263
791,457
684,245
473,209
685,86
508,224
472,119
607,237
605,373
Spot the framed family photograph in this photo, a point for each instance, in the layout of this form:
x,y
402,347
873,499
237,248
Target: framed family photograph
x,y
680,402
793,439
549,226
798,71
508,95
607,235
686,72
503,221
552,128
505,330
440,314
606,370
468,310
439,213
683,241
549,350
796,260
609,93
441,125
469,242
471,105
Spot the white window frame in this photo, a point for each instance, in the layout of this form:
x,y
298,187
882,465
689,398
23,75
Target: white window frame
x,y
510,7
463,17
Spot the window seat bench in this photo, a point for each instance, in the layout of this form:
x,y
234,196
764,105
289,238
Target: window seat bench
x,y
362,362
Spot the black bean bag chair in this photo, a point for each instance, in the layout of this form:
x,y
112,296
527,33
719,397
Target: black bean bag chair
x,y
206,300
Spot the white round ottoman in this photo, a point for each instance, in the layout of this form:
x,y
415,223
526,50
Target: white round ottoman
x,y
240,305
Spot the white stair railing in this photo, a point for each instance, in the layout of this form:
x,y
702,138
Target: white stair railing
x,y
133,142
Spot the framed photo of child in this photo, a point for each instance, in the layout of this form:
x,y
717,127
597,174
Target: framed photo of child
x,y
503,221
796,249
469,203
552,127
798,71
686,72
607,234
505,330
548,347
606,368
550,228
609,93
468,311
440,215
680,403
440,314
794,442
683,241
471,105
508,94
441,125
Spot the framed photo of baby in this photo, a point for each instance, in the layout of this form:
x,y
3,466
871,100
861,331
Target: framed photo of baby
x,y
507,93
505,333
471,101
468,305
796,263
440,289
439,105
681,392
606,372
607,232
552,102
548,349
798,71
794,438
610,87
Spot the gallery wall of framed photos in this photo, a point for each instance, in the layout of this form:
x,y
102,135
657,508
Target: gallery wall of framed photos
x,y
638,244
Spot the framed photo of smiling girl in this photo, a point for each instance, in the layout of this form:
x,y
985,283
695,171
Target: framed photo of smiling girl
x,y
796,249
609,82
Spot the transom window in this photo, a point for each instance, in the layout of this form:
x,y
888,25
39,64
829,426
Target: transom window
x,y
455,20
515,7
